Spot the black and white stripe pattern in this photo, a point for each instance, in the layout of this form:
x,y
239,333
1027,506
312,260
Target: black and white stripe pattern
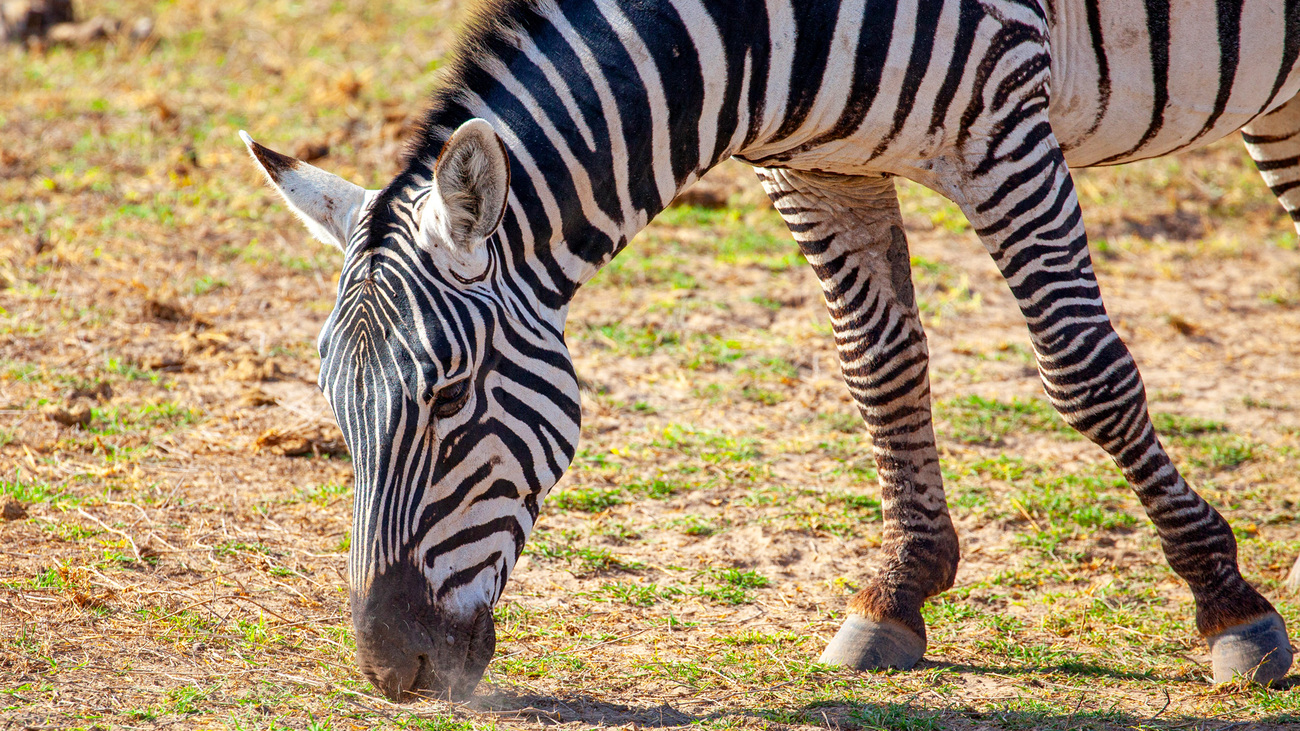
x,y
608,108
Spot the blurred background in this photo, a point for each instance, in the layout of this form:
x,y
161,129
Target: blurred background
x,y
176,497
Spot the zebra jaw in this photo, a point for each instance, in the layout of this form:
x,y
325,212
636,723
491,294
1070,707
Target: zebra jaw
x,y
328,205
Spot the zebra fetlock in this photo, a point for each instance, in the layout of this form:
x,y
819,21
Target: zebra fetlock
x,y
562,127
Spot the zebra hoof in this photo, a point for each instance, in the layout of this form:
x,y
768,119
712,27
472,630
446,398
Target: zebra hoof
x,y
867,644
1259,651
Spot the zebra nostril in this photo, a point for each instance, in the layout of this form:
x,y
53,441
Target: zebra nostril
x,y
422,673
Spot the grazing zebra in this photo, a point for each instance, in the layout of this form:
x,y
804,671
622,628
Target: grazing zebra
x,y
564,126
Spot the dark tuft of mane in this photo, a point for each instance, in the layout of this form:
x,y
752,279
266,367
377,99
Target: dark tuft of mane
x,y
481,35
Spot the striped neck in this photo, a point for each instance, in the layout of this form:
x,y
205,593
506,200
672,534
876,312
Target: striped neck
x,y
596,150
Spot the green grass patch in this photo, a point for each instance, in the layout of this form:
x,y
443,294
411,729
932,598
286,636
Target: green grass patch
x,y
587,499
732,586
709,446
165,415
977,420
636,595
27,492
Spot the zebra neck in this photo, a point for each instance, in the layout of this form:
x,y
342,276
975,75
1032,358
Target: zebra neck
x,y
609,109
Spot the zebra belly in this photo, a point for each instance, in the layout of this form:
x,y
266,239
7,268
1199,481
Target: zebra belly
x,y
1134,79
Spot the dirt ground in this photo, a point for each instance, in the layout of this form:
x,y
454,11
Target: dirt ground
x,y
177,499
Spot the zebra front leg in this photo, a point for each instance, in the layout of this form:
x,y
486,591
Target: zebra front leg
x,y
1273,142
851,231
1027,214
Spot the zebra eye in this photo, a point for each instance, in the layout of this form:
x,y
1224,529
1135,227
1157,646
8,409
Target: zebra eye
x,y
450,399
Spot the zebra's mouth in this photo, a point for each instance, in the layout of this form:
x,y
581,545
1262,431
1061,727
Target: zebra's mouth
x,y
427,668
411,648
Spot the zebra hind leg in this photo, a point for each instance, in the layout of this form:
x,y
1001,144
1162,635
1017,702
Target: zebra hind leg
x,y
850,230
1273,142
1028,216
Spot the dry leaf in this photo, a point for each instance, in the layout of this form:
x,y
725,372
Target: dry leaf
x,y
74,415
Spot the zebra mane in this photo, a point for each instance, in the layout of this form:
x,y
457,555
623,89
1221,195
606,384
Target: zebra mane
x,y
485,34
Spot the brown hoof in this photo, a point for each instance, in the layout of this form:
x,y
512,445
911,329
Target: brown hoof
x,y
867,644
1259,651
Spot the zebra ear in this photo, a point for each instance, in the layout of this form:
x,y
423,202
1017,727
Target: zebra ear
x,y
471,180
328,205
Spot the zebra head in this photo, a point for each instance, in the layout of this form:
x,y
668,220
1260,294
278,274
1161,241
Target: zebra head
x,y
460,410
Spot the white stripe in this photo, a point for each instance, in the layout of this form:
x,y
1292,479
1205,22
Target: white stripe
x,y
781,42
713,66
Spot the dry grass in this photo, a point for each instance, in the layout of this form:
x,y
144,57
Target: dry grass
x,y
176,566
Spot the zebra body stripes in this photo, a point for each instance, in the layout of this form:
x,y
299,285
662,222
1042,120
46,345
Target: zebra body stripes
x,y
564,126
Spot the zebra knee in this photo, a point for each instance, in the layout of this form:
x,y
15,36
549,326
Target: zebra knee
x,y
1115,419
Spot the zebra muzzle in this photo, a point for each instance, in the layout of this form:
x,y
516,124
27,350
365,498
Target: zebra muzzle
x,y
411,649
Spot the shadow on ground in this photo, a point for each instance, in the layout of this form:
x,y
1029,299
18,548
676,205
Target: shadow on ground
x,y
912,713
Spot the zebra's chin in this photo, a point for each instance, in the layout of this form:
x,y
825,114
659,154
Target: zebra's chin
x,y
410,647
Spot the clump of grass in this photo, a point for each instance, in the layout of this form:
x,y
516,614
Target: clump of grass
x,y
978,420
325,493
1175,425
706,445
636,595
589,559
27,492
695,525
733,586
166,415
587,499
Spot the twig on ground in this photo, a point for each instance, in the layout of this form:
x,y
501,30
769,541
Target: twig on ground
x,y
104,525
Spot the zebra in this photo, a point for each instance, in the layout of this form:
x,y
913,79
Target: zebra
x,y
561,127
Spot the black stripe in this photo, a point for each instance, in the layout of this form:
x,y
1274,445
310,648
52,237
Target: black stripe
x,y
927,19
466,575
679,70
1093,14
874,39
813,34
1279,164
967,24
1290,50
1267,139
1229,20
1158,33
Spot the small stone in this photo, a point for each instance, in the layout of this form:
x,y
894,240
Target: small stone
x,y
101,391
141,29
76,34
169,362
74,415
282,443
311,151
256,397
247,369
14,510
320,440
165,311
